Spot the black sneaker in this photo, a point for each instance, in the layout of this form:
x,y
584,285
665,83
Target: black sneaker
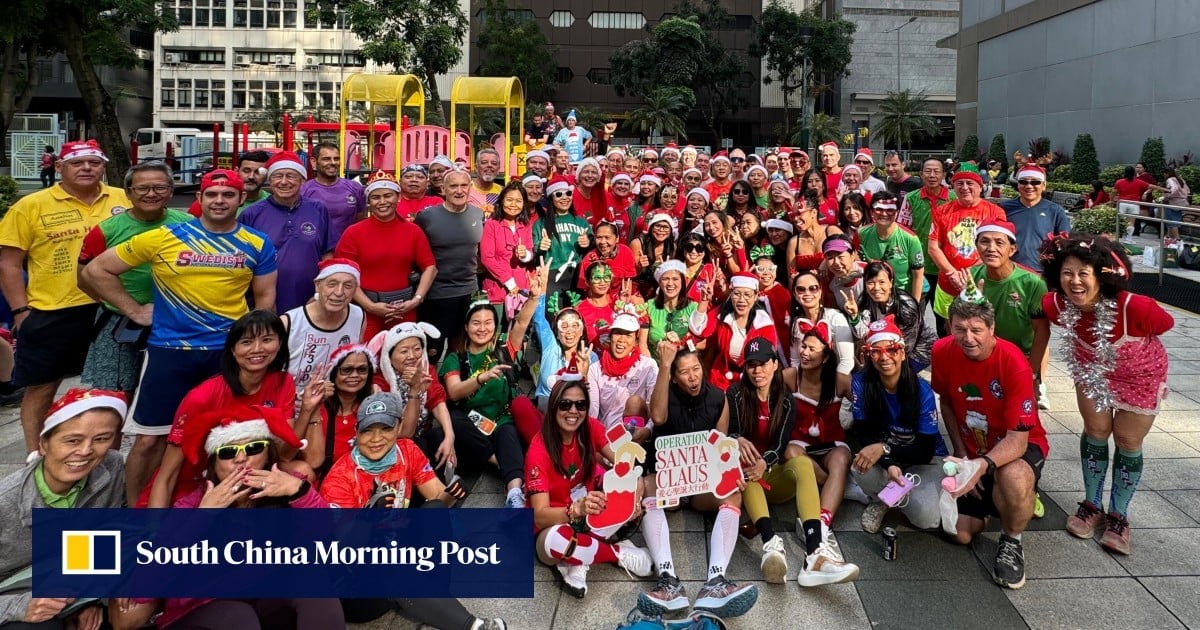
x,y
726,599
668,596
1010,563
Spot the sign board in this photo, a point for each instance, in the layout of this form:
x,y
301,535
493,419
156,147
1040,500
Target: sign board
x,y
621,483
701,462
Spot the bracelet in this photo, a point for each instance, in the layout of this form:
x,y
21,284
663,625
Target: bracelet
x,y
22,309
477,381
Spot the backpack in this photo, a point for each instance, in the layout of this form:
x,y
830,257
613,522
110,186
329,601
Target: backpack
x,y
698,620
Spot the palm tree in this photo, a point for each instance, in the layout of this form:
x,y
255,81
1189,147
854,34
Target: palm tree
x,y
821,128
903,116
665,111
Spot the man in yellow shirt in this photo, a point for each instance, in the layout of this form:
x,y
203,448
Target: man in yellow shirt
x,y
485,191
52,318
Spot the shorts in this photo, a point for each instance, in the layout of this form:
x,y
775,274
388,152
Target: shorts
x,y
168,374
984,507
112,365
54,344
818,450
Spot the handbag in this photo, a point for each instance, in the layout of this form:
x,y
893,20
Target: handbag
x,y
698,620
387,297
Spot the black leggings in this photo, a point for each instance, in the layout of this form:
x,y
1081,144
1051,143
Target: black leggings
x,y
249,614
443,614
474,448
448,315
52,624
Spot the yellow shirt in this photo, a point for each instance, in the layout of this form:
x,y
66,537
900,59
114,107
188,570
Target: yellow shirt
x,y
49,225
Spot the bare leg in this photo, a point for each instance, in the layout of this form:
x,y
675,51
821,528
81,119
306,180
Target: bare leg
x,y
6,361
836,464
1013,495
144,458
34,406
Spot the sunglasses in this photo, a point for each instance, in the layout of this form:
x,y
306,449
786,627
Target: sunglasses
x,y
864,162
347,370
693,247
737,160
579,405
812,288
740,192
1029,182
877,352
649,159
559,194
250,449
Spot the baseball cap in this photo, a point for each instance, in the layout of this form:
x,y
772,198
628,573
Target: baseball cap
x,y
625,322
382,408
221,177
758,350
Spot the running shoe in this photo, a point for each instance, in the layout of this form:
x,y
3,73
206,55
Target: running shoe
x,y
668,596
1009,570
832,543
633,559
726,599
489,624
1043,397
872,517
1085,520
822,567
1116,534
515,499
774,561
574,578
1039,510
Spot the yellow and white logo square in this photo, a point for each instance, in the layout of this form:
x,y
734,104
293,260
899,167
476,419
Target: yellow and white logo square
x,y
91,552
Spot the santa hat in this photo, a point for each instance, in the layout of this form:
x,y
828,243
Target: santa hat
x,y
779,224
700,191
442,160
660,217
650,152
81,149
383,180
756,167
865,152
670,148
744,280
828,145
615,151
1031,171
967,172
208,431
330,266
720,156
571,373
221,177
884,330
692,169
587,162
622,177
537,153
78,400
650,177
571,115
883,204
286,160
688,150
996,225
851,167
532,177
393,336
557,183
785,152
670,265
341,352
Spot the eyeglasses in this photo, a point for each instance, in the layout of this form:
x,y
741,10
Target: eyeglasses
x,y
566,405
812,288
250,449
559,194
877,352
740,192
766,268
347,370
693,247
145,190
864,162
649,159
1029,182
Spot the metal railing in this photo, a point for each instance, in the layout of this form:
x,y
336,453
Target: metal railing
x,y
1161,222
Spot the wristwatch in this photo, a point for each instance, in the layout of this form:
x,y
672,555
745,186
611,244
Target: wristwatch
x,y
887,449
991,465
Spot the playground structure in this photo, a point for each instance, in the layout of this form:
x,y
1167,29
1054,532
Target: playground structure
x,y
503,93
199,154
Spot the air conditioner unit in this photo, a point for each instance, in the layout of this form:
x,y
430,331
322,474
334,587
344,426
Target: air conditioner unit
x,y
311,62
241,60
171,59
281,60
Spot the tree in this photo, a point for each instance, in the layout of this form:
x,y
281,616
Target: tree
x,y
269,117
513,46
666,111
822,128
998,150
1154,156
422,36
904,116
1086,166
20,46
969,149
785,38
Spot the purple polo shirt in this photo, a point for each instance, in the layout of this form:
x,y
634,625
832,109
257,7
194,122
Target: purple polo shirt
x,y
344,199
301,235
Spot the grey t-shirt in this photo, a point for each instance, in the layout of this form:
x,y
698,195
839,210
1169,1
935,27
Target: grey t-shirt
x,y
454,238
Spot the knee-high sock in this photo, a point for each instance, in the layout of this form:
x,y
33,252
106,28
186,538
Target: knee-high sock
x,y
658,540
586,548
1127,472
1093,453
724,537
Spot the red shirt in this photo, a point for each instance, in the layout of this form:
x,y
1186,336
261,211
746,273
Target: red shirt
x,y
762,427
1138,315
1130,190
542,476
833,181
349,486
408,208
989,398
953,232
621,264
817,425
719,193
386,251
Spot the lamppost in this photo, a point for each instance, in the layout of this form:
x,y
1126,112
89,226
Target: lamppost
x,y
897,32
806,33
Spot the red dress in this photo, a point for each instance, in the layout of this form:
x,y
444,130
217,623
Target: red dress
x,y
727,366
817,425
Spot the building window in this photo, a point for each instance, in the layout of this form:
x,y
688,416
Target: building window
x,y
739,23
200,57
521,15
612,20
167,99
600,76
563,75
201,93
217,94
239,95
346,58
183,12
270,58
561,19
185,93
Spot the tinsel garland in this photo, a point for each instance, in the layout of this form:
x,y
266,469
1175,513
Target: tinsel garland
x,y
1091,376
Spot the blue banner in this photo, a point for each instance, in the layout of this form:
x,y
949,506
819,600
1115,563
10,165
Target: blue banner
x,y
252,553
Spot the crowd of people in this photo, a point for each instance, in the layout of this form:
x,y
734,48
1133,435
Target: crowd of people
x,y
315,343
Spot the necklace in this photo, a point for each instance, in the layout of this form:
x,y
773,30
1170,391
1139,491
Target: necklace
x,y
1091,376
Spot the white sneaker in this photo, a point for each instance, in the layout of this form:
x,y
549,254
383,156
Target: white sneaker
x,y
515,499
634,559
854,492
872,517
832,543
1043,397
821,568
774,561
574,577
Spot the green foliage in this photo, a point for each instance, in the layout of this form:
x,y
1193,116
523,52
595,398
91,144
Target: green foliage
x,y
969,149
1110,174
1086,166
1190,174
823,128
1068,187
511,46
998,150
1097,220
666,110
1154,157
1062,173
780,40
904,116
9,189
1039,149
269,117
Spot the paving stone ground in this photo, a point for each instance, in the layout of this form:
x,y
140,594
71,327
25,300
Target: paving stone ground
x,y
1071,583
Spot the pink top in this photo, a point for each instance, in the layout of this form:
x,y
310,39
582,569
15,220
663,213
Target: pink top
x,y
497,252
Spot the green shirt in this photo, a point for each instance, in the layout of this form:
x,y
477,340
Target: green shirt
x,y
52,498
259,196
902,250
917,215
493,399
120,228
663,321
1017,300
564,243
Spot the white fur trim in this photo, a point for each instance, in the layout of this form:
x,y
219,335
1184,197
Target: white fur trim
x,y
384,184
670,265
287,165
992,227
557,186
85,404
1031,173
743,282
236,433
394,336
332,269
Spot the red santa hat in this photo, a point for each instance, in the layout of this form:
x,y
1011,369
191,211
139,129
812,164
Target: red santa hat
x,y
670,265
865,152
884,330
79,400
671,148
757,167
622,177
286,160
221,177
557,183
81,149
828,145
615,151
691,169
996,225
852,167
342,352
650,152
744,280
570,373
238,424
330,266
719,156
701,192
1031,171
650,177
